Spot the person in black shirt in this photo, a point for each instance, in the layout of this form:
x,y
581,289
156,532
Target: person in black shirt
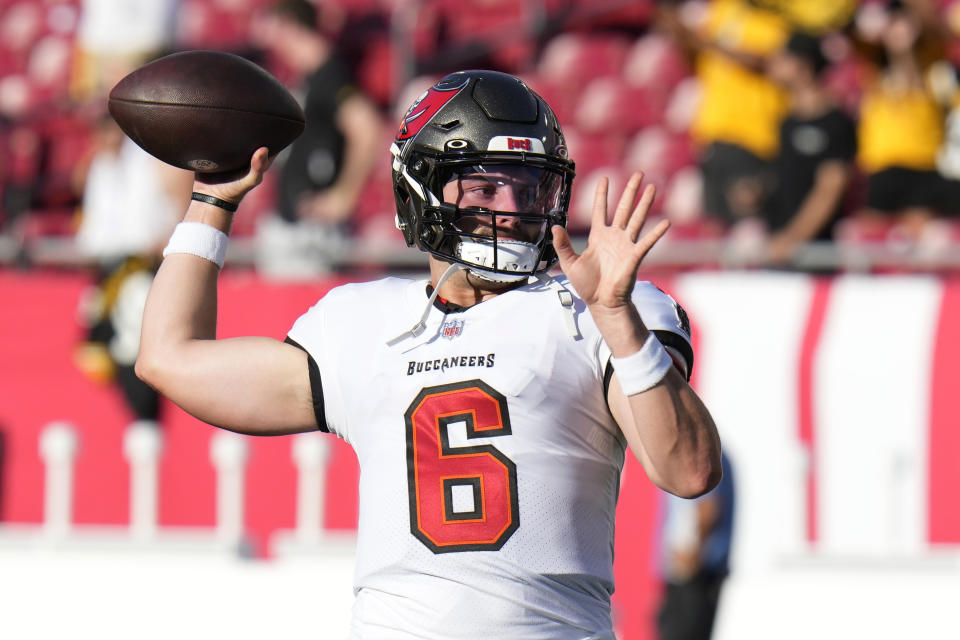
x,y
323,174
817,148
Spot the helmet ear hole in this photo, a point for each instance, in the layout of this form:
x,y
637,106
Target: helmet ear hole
x,y
406,213
429,234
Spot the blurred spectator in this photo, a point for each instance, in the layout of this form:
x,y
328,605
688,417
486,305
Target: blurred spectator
x,y
817,147
223,25
814,16
695,547
131,202
116,36
901,127
740,107
323,174
21,164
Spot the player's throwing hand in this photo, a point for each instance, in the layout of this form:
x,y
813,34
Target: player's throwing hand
x,y
605,273
234,190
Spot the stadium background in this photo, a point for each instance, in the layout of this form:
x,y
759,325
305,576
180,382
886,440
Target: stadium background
x,y
835,395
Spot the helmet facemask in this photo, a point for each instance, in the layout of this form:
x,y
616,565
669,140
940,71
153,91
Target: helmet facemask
x,y
491,212
504,215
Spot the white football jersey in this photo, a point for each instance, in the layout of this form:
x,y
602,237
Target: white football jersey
x,y
490,463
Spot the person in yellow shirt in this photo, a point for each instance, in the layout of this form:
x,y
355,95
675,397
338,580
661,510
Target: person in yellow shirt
x,y
901,128
736,125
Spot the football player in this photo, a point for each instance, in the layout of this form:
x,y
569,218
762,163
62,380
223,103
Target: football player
x,y
491,404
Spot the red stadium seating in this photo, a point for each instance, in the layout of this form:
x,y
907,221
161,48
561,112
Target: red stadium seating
x,y
654,61
572,59
610,105
592,150
659,153
581,206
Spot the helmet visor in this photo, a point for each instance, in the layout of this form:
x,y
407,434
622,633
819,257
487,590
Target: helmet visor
x,y
505,188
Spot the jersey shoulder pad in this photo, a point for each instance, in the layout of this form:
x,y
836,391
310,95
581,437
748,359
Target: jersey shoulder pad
x,y
667,320
660,312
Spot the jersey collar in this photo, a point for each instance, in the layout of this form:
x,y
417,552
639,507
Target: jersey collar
x,y
443,304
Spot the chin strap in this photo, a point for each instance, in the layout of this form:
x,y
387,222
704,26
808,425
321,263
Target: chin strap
x,y
421,325
566,301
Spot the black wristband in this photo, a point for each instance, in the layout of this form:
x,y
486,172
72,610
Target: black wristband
x,y
217,202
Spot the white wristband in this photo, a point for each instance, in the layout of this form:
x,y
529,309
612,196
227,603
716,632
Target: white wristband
x,y
644,369
198,239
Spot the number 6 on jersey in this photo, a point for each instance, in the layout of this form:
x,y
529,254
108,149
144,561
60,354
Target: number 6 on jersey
x,y
462,498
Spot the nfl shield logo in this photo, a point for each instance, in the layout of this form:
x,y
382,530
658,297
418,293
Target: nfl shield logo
x,y
451,329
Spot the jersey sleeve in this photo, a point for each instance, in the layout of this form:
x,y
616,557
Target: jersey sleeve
x,y
663,316
312,333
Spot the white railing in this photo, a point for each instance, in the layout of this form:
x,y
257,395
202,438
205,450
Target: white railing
x,y
229,454
310,454
670,254
142,445
58,448
59,444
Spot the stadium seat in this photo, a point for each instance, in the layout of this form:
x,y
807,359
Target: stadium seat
x,y
659,153
681,107
202,24
654,62
66,138
21,155
939,240
608,14
593,150
570,60
47,223
21,24
609,105
561,97
374,225
379,232
377,195
860,230
376,71
483,19
49,67
499,32
681,201
581,205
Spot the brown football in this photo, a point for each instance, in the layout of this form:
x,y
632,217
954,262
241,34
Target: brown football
x,y
205,111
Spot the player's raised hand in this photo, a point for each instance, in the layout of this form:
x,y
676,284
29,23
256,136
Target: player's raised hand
x,y
232,188
605,273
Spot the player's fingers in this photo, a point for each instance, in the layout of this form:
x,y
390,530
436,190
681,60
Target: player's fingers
x,y
639,216
561,244
651,238
259,163
599,217
261,160
625,206
233,186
